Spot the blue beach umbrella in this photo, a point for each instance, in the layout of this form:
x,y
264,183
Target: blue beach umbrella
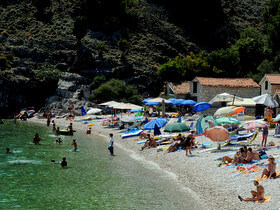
x,y
201,106
188,102
172,99
179,119
146,100
156,130
178,101
136,110
83,111
159,121
152,103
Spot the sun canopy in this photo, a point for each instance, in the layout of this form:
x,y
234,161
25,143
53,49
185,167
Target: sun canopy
x,y
201,106
225,97
188,102
245,102
266,99
159,100
224,111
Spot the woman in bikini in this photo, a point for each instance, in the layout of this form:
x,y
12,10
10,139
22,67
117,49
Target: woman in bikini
x,y
270,171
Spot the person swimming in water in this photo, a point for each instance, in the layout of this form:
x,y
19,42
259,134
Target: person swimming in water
x,y
36,139
59,140
63,162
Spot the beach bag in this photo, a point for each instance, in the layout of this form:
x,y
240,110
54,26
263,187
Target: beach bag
x,y
262,153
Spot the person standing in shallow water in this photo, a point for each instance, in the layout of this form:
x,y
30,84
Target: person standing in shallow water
x,y
111,144
74,143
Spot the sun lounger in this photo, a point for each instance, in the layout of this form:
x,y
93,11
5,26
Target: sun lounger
x,y
241,136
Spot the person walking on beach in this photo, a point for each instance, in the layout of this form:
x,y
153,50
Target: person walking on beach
x,y
111,144
265,134
189,142
74,143
49,119
70,128
257,195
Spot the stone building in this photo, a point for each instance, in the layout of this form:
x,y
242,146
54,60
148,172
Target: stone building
x,y
206,88
270,83
178,90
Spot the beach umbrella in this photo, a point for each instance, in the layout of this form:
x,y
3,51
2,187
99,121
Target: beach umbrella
x,y
94,111
178,102
237,110
224,111
172,99
227,120
201,106
136,110
83,111
225,97
139,117
218,134
176,127
109,103
277,118
146,100
254,124
128,119
156,130
160,100
159,121
188,102
152,103
266,99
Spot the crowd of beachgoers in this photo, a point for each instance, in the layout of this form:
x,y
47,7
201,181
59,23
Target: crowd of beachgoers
x,y
219,175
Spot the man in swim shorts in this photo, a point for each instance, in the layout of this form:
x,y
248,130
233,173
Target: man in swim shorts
x,y
259,195
111,144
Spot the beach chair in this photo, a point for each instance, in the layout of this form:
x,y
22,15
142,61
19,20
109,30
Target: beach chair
x,y
254,137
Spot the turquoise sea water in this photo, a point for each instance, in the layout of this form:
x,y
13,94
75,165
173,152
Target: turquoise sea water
x,y
93,180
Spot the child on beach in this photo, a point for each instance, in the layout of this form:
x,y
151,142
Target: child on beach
x,y
74,143
54,128
189,142
36,139
257,195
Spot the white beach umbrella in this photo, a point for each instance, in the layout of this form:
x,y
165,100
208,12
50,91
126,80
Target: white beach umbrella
x,y
224,111
94,111
266,99
109,103
160,100
225,97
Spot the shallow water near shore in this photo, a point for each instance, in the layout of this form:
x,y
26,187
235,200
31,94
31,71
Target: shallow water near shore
x,y
93,180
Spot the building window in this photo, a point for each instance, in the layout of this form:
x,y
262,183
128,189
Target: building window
x,y
266,85
194,87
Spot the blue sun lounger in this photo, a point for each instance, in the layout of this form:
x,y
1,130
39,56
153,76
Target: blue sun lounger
x,y
241,136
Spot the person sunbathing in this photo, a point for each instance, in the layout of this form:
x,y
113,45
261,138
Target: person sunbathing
x,y
151,142
270,171
250,156
257,195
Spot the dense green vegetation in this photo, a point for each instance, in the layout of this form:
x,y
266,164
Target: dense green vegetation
x,y
117,90
252,55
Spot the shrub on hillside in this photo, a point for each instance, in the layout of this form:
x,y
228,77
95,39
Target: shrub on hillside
x,y
47,74
97,81
116,90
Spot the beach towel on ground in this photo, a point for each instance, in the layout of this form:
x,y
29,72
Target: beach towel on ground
x,y
265,200
266,177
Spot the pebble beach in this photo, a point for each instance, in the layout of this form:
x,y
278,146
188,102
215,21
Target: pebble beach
x,y
212,186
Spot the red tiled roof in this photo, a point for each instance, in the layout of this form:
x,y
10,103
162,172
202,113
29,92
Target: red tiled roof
x,y
273,78
227,82
182,88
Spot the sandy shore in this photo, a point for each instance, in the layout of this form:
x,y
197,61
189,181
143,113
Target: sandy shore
x,y
214,187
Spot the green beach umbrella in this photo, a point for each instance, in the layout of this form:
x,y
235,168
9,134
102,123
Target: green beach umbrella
x,y
176,127
227,120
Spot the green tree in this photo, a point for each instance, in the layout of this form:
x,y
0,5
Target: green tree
x,y
97,81
272,25
187,67
116,90
47,74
